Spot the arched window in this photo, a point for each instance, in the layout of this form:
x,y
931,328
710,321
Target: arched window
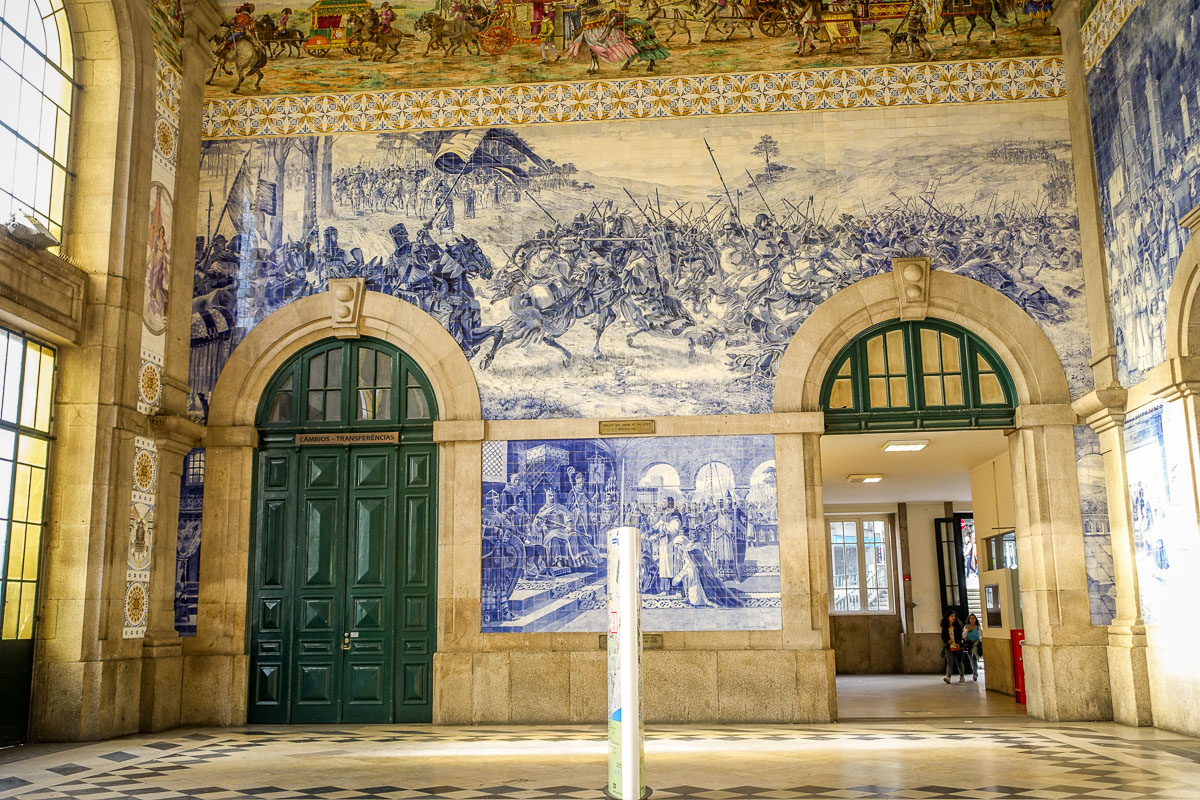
x,y
924,375
363,384
36,73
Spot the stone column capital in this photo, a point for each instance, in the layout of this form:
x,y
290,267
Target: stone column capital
x,y
1102,409
1043,415
176,434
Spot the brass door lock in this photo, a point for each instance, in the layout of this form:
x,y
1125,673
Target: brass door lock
x,y
346,642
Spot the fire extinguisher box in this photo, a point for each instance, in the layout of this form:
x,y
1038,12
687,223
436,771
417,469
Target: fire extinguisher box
x,y
1018,637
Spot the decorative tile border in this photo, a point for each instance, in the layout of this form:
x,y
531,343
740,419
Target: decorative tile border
x,y
637,98
141,537
1101,27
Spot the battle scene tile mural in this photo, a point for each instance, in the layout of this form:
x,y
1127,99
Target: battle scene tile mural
x,y
644,268
359,46
1145,102
706,507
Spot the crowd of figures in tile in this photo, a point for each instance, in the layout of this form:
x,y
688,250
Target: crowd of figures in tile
x,y
1146,116
712,544
525,262
424,43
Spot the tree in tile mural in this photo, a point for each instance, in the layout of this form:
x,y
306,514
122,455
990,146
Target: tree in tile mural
x,y
583,276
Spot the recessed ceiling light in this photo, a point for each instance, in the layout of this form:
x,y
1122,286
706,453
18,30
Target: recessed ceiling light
x,y
905,445
860,478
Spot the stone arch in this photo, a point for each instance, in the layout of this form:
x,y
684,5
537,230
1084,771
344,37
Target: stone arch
x,y
1183,304
1041,454
218,657
1031,359
292,328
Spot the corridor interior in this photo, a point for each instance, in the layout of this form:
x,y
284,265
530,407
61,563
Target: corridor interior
x,y
890,501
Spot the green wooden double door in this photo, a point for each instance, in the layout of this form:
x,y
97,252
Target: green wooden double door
x,y
342,616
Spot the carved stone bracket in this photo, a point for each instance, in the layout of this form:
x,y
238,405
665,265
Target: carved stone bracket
x,y
347,294
912,286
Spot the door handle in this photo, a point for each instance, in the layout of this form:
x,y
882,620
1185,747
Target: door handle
x,y
346,642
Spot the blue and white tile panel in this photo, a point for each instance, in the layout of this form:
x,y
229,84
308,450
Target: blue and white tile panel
x,y
637,98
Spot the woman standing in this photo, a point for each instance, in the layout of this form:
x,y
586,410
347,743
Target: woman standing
x,y
600,37
952,645
972,642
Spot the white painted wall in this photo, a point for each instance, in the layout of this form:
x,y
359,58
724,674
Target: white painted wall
x,y
922,554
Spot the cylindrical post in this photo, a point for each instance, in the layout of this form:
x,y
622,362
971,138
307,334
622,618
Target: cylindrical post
x,y
625,751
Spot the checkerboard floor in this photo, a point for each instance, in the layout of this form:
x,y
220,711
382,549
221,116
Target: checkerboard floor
x,y
998,758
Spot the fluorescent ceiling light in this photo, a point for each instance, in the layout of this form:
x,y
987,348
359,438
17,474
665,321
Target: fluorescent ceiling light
x,y
859,478
905,445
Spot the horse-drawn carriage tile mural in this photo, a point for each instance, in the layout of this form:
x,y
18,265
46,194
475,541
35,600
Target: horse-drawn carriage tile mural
x,y
706,507
361,45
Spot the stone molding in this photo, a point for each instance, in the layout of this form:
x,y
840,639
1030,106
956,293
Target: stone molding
x,y
310,319
1182,330
912,286
40,292
1021,344
1102,409
589,428
828,89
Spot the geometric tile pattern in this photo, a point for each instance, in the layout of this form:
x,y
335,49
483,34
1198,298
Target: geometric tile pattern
x,y
1101,27
1014,758
637,98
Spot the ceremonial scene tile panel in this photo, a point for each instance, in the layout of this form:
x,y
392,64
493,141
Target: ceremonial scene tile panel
x,y
358,45
706,508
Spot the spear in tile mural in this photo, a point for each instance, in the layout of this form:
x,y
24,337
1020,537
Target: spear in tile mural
x,y
724,186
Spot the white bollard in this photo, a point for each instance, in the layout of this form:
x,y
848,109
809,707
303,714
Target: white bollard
x,y
625,751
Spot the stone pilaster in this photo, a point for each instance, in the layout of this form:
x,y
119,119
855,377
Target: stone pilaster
x,y
1128,668
1066,664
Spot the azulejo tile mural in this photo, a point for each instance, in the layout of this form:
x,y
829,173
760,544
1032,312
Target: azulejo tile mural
x,y
1097,541
1023,78
646,268
1146,125
1164,521
356,45
706,507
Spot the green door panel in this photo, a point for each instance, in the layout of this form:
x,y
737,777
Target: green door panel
x,y
343,599
370,586
342,606
417,640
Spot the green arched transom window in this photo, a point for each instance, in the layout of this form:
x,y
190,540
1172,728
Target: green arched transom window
x,y
362,384
921,375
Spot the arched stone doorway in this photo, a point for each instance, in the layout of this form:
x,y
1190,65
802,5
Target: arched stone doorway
x,y
216,662
1065,656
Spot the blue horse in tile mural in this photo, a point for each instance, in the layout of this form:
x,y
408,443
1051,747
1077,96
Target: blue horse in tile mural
x,y
584,280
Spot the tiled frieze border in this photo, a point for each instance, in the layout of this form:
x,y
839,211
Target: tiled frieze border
x,y
637,98
1101,27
